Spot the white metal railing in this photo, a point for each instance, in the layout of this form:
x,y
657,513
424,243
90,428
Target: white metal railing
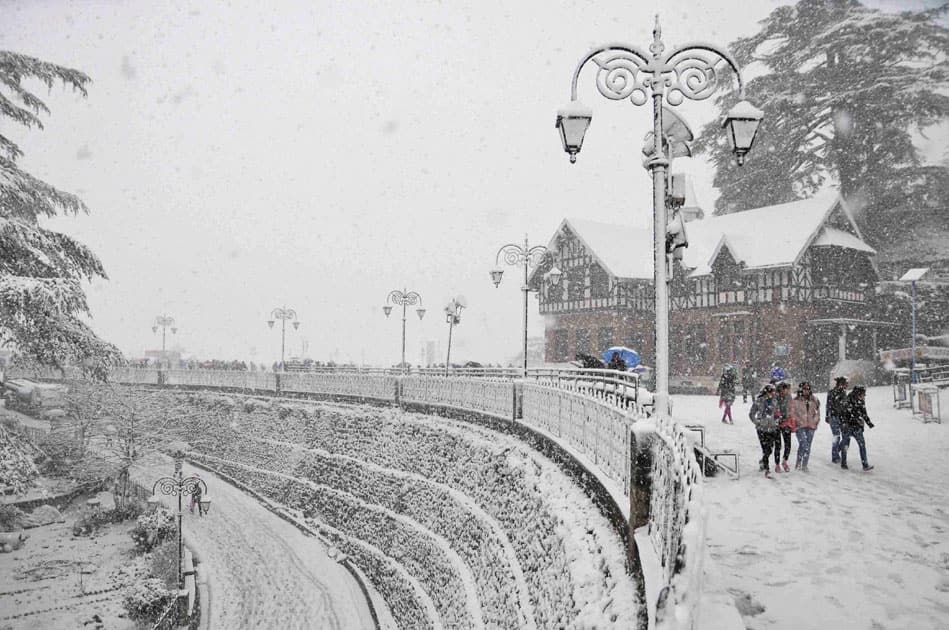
x,y
592,424
357,384
591,411
488,395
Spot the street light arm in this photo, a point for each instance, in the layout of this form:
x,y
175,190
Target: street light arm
x,y
512,254
630,54
695,72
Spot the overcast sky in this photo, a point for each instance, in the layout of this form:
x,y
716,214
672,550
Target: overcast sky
x,y
238,157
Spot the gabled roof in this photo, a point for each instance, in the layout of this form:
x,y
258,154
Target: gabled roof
x,y
624,252
761,238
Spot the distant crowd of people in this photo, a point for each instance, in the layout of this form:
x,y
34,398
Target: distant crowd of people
x,y
777,416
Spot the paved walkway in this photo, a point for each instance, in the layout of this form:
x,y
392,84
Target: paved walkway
x,y
832,548
263,571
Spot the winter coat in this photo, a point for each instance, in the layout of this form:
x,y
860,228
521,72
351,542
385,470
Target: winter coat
x,y
836,404
749,379
762,414
783,411
855,416
805,412
726,388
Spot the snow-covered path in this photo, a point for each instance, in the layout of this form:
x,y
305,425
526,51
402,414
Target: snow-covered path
x,y
832,548
264,572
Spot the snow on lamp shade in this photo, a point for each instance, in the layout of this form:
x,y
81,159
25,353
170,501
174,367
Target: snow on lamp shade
x,y
554,276
496,276
573,120
387,310
741,124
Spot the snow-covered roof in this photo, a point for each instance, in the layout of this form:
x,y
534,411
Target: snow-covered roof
x,y
832,237
623,251
761,238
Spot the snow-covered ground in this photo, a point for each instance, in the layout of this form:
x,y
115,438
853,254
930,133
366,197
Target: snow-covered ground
x,y
264,572
832,548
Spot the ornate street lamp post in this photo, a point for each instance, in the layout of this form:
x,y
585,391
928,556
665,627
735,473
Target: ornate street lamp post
x,y
403,298
528,257
623,71
284,314
453,318
179,485
164,322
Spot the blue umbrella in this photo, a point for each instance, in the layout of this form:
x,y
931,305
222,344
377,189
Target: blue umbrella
x,y
630,356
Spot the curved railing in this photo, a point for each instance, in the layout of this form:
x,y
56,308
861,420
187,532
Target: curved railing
x,y
598,416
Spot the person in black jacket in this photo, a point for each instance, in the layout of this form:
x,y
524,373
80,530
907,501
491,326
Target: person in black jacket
x,y
854,419
834,409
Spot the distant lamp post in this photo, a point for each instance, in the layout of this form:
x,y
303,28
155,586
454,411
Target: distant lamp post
x,y
624,71
179,485
403,298
453,318
284,314
164,322
913,276
528,257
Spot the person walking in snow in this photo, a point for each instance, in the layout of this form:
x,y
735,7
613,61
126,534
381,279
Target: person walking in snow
x,y
834,409
749,382
805,416
726,391
782,413
852,425
762,414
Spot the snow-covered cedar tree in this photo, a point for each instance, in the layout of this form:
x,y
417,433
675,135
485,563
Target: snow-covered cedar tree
x,y
42,301
845,89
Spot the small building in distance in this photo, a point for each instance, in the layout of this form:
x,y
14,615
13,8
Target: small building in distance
x,y
790,285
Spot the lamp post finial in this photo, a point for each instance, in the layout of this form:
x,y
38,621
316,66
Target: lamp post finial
x,y
656,47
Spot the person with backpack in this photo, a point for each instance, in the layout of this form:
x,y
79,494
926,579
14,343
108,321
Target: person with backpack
x,y
835,408
805,416
782,413
726,391
762,415
852,425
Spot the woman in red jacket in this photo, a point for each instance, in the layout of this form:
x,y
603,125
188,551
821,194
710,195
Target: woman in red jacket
x,y
805,414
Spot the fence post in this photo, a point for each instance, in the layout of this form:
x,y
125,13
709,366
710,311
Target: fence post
x,y
640,490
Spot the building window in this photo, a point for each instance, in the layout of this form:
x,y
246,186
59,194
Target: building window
x,y
604,339
732,347
561,340
695,344
583,340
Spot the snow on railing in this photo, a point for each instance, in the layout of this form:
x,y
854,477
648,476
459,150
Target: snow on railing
x,y
591,411
677,526
484,394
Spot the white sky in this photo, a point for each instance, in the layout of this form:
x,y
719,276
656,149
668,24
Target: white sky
x,y
241,156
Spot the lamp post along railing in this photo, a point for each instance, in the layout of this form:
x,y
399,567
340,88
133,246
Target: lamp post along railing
x,y
687,72
284,314
403,298
528,257
164,322
452,318
178,485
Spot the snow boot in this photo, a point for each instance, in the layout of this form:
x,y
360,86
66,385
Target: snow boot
x,y
867,468
844,466
786,467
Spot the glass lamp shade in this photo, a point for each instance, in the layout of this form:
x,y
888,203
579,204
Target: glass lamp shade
x,y
554,276
421,312
270,323
154,329
296,325
174,331
387,310
573,120
496,276
741,124
205,503
449,318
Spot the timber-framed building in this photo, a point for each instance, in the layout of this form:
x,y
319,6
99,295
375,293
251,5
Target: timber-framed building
x,y
790,285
